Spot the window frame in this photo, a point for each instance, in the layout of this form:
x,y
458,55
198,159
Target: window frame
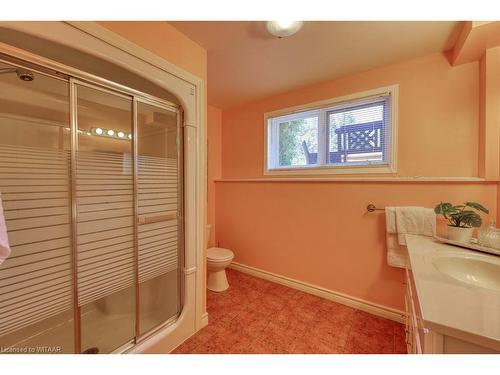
x,y
323,107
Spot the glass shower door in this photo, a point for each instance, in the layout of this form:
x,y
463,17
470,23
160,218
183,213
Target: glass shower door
x,y
106,257
129,222
159,193
36,294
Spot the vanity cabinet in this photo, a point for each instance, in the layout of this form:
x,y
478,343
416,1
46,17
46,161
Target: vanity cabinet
x,y
418,338
421,340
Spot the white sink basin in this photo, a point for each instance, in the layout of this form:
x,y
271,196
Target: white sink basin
x,y
478,271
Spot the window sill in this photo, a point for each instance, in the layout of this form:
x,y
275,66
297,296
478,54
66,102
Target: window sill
x,y
332,170
361,179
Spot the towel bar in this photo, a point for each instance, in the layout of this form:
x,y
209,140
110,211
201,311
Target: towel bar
x,y
371,207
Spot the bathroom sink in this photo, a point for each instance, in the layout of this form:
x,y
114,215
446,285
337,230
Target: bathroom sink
x,y
478,271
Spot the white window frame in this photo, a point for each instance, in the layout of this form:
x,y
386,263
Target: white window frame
x,y
322,107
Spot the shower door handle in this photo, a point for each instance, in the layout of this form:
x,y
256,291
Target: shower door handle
x,y
156,218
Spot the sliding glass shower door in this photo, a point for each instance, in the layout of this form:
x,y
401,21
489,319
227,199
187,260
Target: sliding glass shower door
x,y
36,280
104,219
159,159
91,184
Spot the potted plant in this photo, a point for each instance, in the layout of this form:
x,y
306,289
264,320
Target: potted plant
x,y
462,219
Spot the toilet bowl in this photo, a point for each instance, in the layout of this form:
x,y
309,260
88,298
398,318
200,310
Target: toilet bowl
x,y
218,259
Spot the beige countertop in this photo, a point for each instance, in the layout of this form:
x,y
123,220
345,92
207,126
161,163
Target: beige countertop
x,y
463,307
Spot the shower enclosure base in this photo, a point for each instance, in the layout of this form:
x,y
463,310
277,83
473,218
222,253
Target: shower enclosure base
x,y
43,342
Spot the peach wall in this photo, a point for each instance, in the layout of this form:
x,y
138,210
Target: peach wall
x,y
474,38
489,120
214,170
490,113
164,40
318,232
438,113
498,206
482,124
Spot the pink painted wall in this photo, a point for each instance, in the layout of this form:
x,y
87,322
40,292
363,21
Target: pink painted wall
x,y
319,233
214,169
164,40
438,112
489,118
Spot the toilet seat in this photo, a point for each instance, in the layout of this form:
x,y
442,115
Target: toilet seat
x,y
219,254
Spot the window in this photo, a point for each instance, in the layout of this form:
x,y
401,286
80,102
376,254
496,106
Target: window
x,y
353,134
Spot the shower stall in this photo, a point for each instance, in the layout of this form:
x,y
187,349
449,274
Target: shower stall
x,y
91,181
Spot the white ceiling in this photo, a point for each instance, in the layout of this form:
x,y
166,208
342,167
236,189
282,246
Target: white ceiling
x,y
245,63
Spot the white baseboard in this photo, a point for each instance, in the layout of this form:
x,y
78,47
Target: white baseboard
x,y
204,320
357,303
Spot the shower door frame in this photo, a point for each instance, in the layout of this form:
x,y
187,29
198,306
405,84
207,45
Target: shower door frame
x,y
135,97
180,211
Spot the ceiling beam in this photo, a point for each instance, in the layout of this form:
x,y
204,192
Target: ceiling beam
x,y
474,39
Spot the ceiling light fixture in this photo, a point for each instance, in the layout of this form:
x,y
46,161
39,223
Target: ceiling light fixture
x,y
283,28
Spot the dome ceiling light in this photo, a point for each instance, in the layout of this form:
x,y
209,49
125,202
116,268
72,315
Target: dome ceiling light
x,y
283,29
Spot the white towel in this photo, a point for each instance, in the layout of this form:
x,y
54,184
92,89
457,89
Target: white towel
x,y
397,255
390,220
415,220
400,221
4,240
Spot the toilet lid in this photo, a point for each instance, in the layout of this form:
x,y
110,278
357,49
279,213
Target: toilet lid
x,y
219,253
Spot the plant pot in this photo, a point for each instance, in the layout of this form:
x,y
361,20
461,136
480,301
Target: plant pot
x,y
460,234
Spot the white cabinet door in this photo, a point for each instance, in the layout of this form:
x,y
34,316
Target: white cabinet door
x,y
412,328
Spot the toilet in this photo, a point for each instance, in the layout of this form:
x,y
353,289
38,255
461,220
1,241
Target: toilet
x,y
218,259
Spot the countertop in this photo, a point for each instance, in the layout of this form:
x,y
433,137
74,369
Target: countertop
x,y
449,306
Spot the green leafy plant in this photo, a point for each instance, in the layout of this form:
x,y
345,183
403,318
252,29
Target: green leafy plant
x,y
461,215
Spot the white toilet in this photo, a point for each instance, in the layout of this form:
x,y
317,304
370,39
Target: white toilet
x,y
218,259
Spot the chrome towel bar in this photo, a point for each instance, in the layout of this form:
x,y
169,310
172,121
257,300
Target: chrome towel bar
x,y
371,207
